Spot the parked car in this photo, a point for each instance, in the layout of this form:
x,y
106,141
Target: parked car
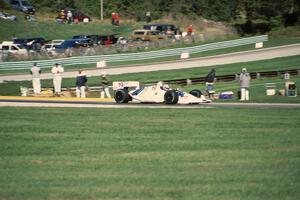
x,y
80,16
84,40
88,40
10,47
77,15
147,35
21,5
112,38
52,45
164,28
7,16
34,43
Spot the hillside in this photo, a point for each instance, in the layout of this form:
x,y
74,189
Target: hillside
x,y
46,27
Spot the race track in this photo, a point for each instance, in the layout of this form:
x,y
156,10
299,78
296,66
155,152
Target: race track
x,y
109,103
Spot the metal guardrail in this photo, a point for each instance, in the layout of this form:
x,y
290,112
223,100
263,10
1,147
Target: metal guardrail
x,y
82,60
232,77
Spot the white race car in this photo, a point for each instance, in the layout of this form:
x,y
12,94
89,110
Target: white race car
x,y
158,93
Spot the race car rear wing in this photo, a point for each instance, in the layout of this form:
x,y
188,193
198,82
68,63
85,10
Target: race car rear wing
x,y
126,84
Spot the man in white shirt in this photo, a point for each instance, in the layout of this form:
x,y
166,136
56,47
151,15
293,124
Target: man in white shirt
x,y
36,82
57,71
245,84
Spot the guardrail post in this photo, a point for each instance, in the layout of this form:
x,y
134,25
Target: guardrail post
x,y
279,74
188,81
298,72
257,75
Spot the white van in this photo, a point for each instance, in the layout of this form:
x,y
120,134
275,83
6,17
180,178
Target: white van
x,y
50,47
10,47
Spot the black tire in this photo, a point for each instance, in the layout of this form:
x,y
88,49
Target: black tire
x,y
122,96
171,97
196,93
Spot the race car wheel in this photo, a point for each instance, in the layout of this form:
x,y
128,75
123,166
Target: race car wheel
x,y
122,96
196,93
171,97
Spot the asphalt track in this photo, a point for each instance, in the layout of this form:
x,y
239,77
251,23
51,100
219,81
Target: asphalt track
x,y
245,56
109,103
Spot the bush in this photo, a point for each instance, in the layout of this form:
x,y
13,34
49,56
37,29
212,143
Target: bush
x,y
253,28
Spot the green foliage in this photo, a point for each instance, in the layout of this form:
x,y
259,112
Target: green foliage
x,y
180,154
220,10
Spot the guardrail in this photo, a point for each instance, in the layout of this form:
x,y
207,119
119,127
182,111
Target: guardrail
x,y
232,77
82,60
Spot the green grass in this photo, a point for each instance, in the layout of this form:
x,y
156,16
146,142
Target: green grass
x,y
61,153
49,29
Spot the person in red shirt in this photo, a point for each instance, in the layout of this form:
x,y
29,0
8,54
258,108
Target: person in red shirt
x,y
190,29
113,18
117,19
108,42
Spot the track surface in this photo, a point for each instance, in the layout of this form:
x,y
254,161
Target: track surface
x,y
18,102
245,56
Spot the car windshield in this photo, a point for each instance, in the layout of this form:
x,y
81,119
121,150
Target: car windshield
x,y
25,3
21,46
139,33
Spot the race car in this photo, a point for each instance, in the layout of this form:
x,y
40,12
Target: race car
x,y
158,93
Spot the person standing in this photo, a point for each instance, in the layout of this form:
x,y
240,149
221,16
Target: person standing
x,y
36,82
81,80
113,18
209,82
69,17
190,30
104,83
244,84
117,19
57,71
148,17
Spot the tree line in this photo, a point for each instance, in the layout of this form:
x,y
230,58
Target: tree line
x,y
270,12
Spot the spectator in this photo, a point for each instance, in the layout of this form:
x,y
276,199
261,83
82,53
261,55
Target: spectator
x,y
117,20
209,82
113,18
104,84
70,17
190,30
81,80
35,71
57,71
244,84
107,42
148,17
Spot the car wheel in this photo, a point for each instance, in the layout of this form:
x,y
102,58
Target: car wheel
x,y
171,97
196,93
122,96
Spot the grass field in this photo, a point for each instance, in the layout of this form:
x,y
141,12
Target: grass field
x,y
149,153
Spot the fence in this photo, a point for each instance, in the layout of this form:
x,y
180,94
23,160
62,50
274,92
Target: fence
x,y
82,60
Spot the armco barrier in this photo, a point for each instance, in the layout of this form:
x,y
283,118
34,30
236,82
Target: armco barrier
x,y
133,56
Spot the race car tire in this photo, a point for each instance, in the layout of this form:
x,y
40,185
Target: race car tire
x,y
122,96
171,97
196,93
